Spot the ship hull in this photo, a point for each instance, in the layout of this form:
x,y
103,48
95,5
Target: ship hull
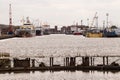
x,y
94,35
25,33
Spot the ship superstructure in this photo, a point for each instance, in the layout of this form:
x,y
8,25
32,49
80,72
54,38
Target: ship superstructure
x,y
26,30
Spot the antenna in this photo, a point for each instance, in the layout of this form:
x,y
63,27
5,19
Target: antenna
x,y
10,31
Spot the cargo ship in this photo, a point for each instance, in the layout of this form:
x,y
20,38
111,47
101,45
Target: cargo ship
x,y
26,30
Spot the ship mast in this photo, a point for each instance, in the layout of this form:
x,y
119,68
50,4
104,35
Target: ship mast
x,y
10,31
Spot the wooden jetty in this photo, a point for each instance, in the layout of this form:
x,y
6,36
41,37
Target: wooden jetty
x,y
87,63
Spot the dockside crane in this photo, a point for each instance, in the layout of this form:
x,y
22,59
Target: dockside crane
x,y
10,30
94,18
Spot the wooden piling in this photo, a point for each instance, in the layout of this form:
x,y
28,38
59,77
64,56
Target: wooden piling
x,y
72,61
64,61
91,61
33,62
51,61
103,61
107,60
67,61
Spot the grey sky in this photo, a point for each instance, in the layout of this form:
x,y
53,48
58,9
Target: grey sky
x,y
60,12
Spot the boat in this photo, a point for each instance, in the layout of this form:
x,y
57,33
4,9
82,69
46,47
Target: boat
x,y
26,30
77,32
38,31
117,31
110,33
94,33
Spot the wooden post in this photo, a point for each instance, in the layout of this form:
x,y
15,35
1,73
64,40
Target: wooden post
x,y
83,61
91,61
107,60
33,62
72,61
75,61
52,61
67,61
64,61
103,61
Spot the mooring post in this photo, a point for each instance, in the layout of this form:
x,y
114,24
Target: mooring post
x,y
52,61
33,62
75,61
72,61
91,61
83,61
103,60
107,60
67,61
64,61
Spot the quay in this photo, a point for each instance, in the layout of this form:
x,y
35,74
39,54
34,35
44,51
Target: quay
x,y
69,64
6,36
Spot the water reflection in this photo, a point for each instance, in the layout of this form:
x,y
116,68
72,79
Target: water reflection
x,y
61,75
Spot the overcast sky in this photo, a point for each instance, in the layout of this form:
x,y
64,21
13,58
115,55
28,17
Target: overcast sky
x,y
60,12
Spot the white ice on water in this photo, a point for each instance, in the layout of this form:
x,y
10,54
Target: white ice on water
x,y
60,45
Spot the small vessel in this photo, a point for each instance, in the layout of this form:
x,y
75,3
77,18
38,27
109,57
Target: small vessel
x,y
117,31
94,33
110,33
77,33
26,30
38,31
